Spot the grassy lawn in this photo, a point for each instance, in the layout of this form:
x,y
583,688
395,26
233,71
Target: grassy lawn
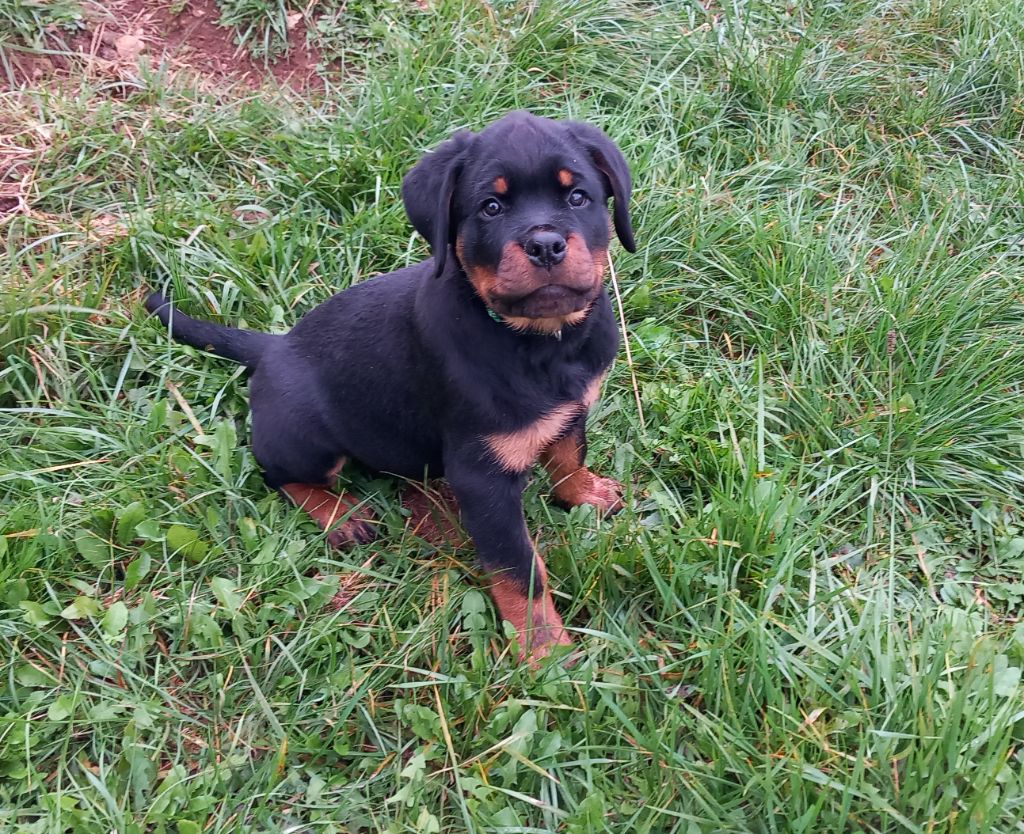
x,y
807,620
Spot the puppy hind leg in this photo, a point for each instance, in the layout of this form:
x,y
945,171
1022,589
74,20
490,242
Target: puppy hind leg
x,y
340,514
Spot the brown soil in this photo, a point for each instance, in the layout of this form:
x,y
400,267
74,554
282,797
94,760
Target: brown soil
x,y
114,41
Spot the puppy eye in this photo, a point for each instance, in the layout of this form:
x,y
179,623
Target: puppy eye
x,y
491,208
578,198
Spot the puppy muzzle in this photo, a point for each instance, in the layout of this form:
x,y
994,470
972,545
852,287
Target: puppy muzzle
x,y
549,301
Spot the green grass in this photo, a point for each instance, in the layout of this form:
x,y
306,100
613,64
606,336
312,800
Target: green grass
x,y
807,620
27,22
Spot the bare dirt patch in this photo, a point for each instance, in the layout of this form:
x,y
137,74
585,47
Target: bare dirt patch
x,y
184,37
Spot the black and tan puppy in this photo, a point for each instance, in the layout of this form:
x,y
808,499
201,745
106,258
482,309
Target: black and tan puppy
x,y
473,365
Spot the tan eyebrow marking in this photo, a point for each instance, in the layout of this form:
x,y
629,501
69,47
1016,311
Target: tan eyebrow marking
x,y
565,177
501,185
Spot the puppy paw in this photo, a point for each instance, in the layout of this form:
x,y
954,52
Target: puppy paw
x,y
327,509
605,494
538,642
584,487
539,628
352,532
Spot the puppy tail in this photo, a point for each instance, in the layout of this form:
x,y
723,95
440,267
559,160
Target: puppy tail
x,y
243,346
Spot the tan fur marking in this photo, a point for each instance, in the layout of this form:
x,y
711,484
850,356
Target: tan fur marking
x,y
323,506
327,509
433,514
600,260
483,280
536,620
515,275
500,185
518,450
515,272
592,392
549,325
335,471
579,263
562,459
565,177
583,268
573,484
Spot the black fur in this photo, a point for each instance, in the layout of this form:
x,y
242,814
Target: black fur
x,y
408,373
427,192
244,346
610,162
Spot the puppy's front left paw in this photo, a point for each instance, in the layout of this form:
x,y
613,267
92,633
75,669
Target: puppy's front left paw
x,y
605,494
584,487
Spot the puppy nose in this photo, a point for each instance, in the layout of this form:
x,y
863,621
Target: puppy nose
x,y
545,248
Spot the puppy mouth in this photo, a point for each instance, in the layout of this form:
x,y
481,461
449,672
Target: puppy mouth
x,y
516,288
551,300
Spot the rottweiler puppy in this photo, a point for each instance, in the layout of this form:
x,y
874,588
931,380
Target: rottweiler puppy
x,y
473,365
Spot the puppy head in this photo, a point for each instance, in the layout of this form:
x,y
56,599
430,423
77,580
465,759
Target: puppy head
x,y
525,205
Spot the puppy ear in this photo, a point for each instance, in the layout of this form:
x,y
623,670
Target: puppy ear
x,y
427,192
609,161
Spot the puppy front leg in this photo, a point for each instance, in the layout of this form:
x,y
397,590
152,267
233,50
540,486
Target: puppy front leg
x,y
572,483
491,507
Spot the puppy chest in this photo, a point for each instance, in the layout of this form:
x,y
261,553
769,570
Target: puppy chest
x,y
518,450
